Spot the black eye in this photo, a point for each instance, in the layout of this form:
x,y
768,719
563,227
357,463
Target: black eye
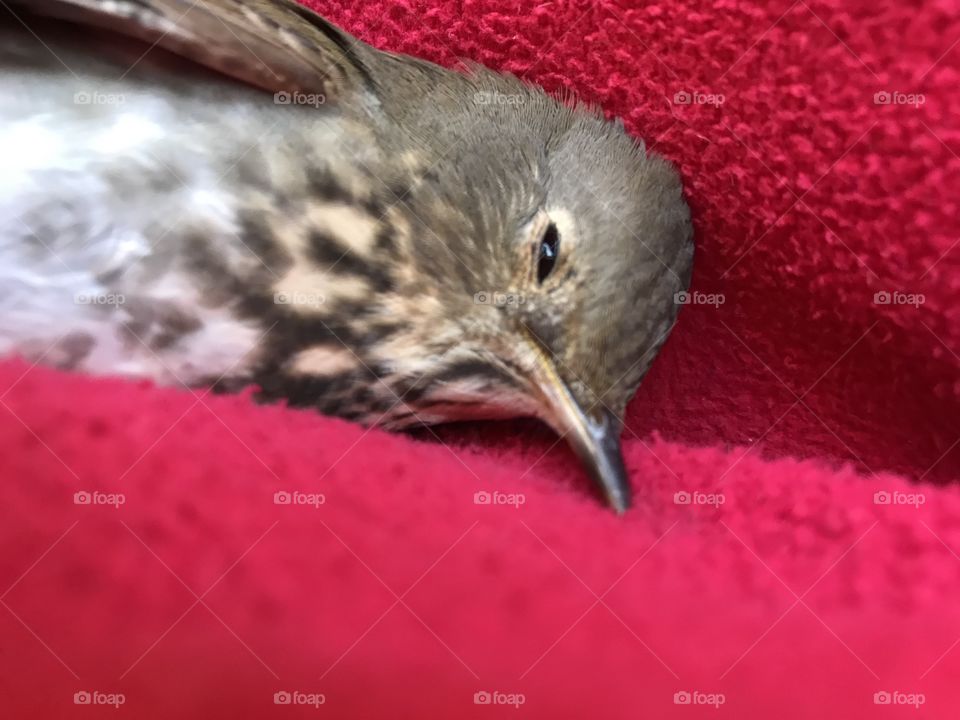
x,y
547,256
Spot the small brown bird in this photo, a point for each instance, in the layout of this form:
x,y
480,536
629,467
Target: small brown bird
x,y
236,193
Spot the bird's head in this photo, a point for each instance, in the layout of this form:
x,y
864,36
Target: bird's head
x,y
550,248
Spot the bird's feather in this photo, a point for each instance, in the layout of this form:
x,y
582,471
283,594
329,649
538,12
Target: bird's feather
x,y
279,46
162,216
107,186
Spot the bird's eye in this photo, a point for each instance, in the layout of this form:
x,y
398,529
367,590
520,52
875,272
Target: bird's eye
x,y
547,255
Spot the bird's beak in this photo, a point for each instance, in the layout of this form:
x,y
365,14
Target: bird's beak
x,y
594,436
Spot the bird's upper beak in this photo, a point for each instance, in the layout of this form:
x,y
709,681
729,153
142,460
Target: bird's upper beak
x,y
593,434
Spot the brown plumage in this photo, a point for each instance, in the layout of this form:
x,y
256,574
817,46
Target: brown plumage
x,y
237,193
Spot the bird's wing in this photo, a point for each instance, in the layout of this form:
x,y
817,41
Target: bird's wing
x,y
277,45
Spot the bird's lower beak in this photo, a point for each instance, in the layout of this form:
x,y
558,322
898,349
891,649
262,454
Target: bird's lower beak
x,y
594,436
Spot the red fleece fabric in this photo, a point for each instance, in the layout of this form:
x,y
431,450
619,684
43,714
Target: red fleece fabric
x,y
823,415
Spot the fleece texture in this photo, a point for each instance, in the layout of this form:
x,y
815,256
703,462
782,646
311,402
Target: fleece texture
x,y
795,450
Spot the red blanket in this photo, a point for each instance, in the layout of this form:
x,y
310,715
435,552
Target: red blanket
x,y
795,551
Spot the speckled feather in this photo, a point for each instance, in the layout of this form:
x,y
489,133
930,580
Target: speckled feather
x,y
269,200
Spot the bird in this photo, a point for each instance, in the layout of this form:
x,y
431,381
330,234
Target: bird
x,y
226,194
